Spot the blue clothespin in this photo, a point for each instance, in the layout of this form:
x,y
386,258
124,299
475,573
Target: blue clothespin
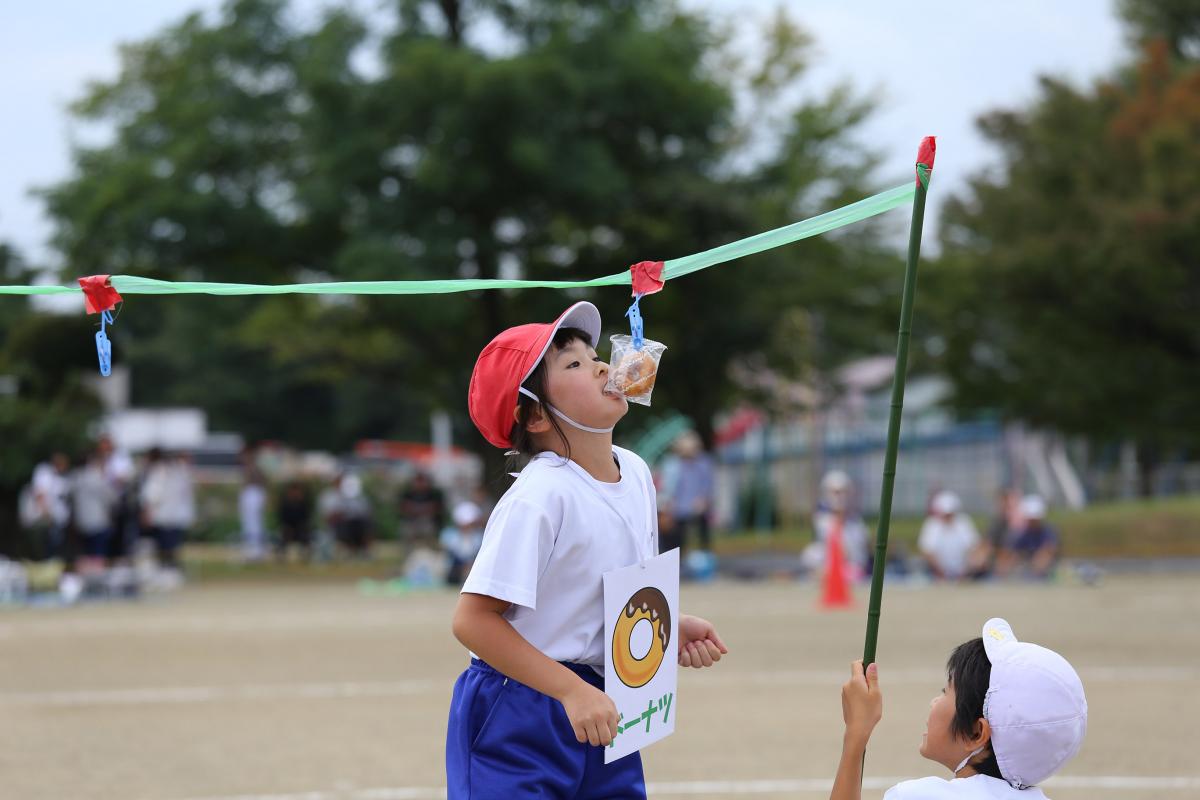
x,y
103,345
635,322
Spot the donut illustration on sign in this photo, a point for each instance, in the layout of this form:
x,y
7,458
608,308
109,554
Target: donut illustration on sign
x,y
641,637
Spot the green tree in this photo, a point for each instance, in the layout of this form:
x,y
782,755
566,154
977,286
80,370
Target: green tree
x,y
542,139
1173,22
1069,283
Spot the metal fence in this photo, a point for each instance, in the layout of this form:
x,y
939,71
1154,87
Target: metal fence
x,y
774,474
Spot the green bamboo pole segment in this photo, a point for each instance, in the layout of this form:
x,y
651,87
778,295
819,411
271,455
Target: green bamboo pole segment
x,y
924,167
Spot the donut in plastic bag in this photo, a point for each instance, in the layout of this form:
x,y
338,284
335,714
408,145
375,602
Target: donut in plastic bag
x,y
633,372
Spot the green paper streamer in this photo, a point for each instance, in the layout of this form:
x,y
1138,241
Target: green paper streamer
x,y
675,268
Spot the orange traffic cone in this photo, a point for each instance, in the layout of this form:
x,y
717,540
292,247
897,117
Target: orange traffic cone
x,y
835,591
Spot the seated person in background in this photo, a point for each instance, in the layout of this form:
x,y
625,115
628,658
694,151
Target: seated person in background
x,y
422,511
949,542
461,541
1034,550
1004,524
295,520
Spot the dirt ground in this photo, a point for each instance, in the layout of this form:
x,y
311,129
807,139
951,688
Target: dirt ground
x,y
287,692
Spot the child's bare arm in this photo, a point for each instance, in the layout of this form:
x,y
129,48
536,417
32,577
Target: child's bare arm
x,y
862,708
479,624
847,785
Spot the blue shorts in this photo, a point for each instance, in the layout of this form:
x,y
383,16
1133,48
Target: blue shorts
x,y
508,741
95,543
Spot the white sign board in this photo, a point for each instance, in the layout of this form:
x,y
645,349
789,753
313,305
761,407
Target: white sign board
x,y
641,651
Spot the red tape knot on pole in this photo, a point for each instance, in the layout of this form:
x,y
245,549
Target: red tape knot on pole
x,y
926,153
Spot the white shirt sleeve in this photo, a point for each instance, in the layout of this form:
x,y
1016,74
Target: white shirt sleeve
x,y
517,544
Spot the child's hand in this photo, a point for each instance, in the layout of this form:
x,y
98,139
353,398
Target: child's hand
x,y
862,702
592,714
699,644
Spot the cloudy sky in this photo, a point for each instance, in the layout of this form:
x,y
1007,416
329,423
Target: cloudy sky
x,y
935,65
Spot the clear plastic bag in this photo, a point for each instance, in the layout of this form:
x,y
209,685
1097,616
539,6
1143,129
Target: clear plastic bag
x,y
633,372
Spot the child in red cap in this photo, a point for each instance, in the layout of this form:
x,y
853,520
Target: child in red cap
x,y
529,717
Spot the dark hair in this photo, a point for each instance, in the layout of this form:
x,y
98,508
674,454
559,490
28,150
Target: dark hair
x,y
522,440
970,673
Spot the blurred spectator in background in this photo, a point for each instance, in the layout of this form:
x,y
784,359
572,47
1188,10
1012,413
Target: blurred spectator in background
x,y
668,533
691,492
461,541
480,497
835,510
949,542
663,475
1034,550
93,503
252,512
149,493
422,511
1005,525
353,516
295,519
120,472
168,504
329,520
46,509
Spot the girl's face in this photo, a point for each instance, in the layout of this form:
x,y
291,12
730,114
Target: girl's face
x,y
939,742
575,381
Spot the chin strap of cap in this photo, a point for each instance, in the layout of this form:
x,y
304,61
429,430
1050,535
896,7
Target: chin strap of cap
x,y
564,417
970,755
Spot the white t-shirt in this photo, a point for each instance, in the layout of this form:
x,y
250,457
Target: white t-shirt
x,y
167,495
949,543
52,488
252,504
976,787
549,540
94,498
